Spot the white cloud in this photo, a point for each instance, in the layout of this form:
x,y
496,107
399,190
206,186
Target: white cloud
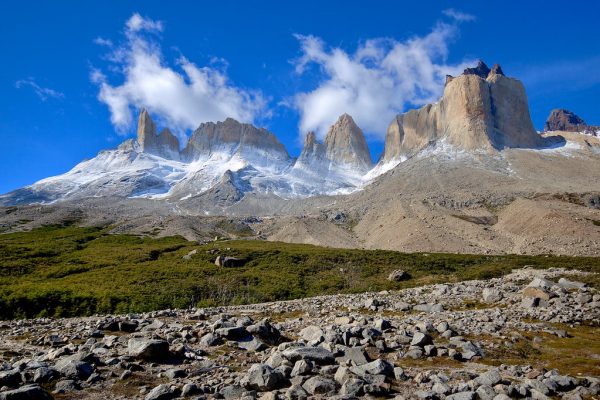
x,y
181,96
458,15
138,23
43,93
380,79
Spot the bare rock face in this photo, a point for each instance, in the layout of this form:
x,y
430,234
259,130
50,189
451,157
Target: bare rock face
x,y
481,109
231,136
565,120
165,144
313,151
345,144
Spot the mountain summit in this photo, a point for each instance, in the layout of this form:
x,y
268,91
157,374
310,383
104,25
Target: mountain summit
x,y
482,109
345,147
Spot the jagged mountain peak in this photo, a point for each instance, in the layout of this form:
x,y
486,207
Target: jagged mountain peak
x,y
231,136
345,144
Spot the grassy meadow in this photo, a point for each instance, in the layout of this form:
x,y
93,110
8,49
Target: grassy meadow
x,y
59,271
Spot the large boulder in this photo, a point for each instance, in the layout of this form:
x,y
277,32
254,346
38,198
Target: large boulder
x,y
148,349
262,377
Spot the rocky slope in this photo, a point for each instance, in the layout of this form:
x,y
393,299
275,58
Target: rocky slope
x,y
565,120
526,335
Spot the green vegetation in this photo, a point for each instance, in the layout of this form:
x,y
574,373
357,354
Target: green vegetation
x,y
61,271
574,355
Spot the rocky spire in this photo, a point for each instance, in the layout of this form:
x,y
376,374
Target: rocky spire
x,y
481,70
312,151
345,144
164,145
146,129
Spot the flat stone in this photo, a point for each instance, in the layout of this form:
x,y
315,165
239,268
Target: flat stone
x,y
317,354
377,367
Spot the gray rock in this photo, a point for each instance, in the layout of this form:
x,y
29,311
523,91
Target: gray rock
x,y
560,383
10,378
398,275
377,367
45,374
174,373
570,285
233,333
252,344
414,353
29,392
489,378
210,339
319,385
66,386
461,396
302,367
296,392
441,388
317,354
352,387
485,392
148,349
421,339
162,392
73,369
265,332
190,389
312,333
232,392
356,355
262,377
491,295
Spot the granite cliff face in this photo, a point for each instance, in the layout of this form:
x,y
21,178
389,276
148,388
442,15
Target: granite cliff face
x,y
481,109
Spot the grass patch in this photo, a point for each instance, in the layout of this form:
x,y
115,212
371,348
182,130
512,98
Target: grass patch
x,y
578,354
59,271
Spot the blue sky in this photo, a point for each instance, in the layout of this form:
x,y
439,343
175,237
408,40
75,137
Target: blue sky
x,y
73,72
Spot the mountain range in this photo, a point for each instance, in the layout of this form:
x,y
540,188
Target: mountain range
x,y
464,174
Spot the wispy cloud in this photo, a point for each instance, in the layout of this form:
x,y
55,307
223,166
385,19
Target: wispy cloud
x,y
458,15
103,42
375,82
43,93
138,23
182,96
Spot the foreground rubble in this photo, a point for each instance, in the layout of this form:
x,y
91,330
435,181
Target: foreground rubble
x,y
449,341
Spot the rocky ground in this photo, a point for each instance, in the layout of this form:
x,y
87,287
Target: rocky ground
x,y
530,334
